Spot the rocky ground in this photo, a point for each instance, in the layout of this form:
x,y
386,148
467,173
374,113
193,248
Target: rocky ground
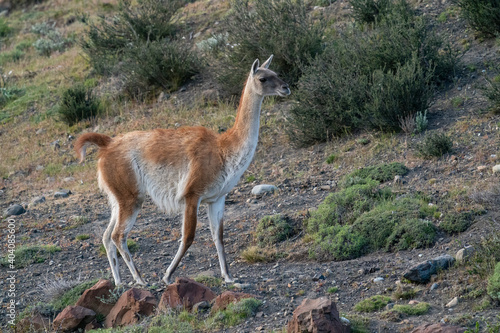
x,y
303,180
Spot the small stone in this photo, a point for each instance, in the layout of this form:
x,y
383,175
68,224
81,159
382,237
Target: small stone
x,y
38,200
452,303
39,168
264,188
464,254
434,286
389,306
318,277
398,179
413,302
62,194
482,168
241,285
68,179
496,168
378,279
15,210
326,187
201,306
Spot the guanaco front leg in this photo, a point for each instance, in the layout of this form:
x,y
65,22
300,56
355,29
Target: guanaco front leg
x,y
215,213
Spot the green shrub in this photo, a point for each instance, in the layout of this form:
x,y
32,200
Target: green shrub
x,y
370,78
272,230
254,28
412,310
71,296
435,145
5,30
139,43
421,121
330,159
372,304
82,237
482,15
51,40
411,234
492,92
494,283
162,64
234,313
26,255
8,94
369,11
209,281
456,223
78,103
380,172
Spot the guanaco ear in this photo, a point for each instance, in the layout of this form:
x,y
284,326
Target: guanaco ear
x,y
267,62
255,67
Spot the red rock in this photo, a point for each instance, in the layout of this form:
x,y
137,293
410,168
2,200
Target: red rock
x,y
185,293
72,318
438,328
91,298
131,305
318,316
228,297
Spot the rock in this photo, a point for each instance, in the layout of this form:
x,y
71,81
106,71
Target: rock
x,y
318,315
73,318
421,273
434,286
163,97
438,328
62,194
185,293
496,168
228,297
92,298
413,302
389,306
482,168
68,179
452,303
318,277
325,187
378,279
398,179
264,188
241,285
14,210
210,96
33,323
464,254
131,307
201,306
38,200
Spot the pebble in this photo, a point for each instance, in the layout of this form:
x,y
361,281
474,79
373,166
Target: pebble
x,y
241,285
263,188
413,302
452,303
326,187
378,279
62,194
389,306
434,286
496,168
68,179
15,210
482,168
38,200
318,277
464,253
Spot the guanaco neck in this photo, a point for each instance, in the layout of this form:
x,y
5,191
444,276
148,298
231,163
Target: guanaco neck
x,y
240,141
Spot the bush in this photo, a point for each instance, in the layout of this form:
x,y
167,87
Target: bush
x,y
381,172
78,103
411,234
482,15
51,40
5,30
140,44
369,11
456,223
492,92
372,304
370,79
412,310
162,64
494,283
435,145
262,28
272,230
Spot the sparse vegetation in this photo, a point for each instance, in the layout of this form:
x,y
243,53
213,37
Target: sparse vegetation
x,y
435,145
31,254
456,223
494,283
71,296
273,229
209,281
372,304
253,254
421,121
412,310
78,103
380,172
82,237
234,313
492,92
482,15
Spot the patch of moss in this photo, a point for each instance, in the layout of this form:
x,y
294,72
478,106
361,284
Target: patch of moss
x,y
273,229
380,172
372,304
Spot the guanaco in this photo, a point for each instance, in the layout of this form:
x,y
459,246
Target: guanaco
x,y
179,169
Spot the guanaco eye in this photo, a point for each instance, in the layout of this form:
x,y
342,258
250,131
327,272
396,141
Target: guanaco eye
x,y
262,79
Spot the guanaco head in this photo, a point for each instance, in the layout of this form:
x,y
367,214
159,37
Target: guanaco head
x,y
265,82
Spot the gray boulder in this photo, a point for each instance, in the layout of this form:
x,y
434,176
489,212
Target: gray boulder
x,y
421,273
15,210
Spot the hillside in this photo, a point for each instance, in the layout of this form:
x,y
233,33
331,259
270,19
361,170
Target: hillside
x,y
37,159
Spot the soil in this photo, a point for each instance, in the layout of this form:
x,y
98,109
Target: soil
x,y
304,180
